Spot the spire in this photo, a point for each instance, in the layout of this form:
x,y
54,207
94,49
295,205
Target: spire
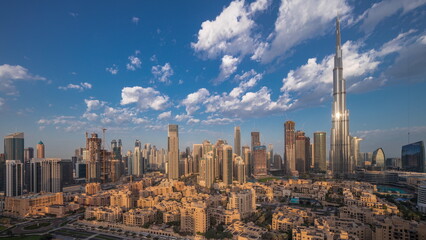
x,y
337,32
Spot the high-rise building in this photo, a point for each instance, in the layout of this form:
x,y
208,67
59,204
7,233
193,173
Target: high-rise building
x,y
244,201
270,157
379,159
14,178
355,152
67,172
35,175
173,152
94,158
301,152
278,162
289,147
51,175
421,199
28,155
13,150
137,159
197,154
247,160
40,150
227,164
206,176
413,157
237,140
320,155
255,139
339,139
241,170
259,161
14,146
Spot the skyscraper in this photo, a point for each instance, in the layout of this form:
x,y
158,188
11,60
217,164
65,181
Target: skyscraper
x,y
247,160
320,158
137,159
300,152
227,164
255,139
35,175
289,147
378,159
94,158
13,150
173,152
40,150
51,175
259,161
14,178
413,157
237,140
339,139
197,154
14,146
355,154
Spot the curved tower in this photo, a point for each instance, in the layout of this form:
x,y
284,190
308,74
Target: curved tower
x,y
339,137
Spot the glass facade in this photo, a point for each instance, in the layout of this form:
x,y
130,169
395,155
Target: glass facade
x,y
413,157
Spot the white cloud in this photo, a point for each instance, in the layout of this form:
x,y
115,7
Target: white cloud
x,y
73,14
140,120
135,62
162,73
80,87
251,104
90,116
227,68
113,69
192,101
379,11
247,80
219,121
11,73
153,58
164,115
135,20
145,98
193,120
230,33
298,21
2,102
65,123
93,104
182,117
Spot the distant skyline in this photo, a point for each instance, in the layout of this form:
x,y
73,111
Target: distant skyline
x,y
134,67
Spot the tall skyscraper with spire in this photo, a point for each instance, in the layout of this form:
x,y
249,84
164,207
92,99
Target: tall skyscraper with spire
x,y
339,137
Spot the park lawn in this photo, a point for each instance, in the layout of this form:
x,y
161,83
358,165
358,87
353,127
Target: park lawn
x,y
263,180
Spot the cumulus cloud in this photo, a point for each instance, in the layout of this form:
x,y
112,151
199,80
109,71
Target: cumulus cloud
x,y
227,68
80,87
380,11
298,21
192,101
163,73
145,98
164,115
93,104
231,31
9,74
113,69
2,102
135,62
247,80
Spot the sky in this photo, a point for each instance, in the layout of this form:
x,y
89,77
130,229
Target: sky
x,y
133,67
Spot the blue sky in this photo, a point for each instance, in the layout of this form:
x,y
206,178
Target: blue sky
x,y
135,66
